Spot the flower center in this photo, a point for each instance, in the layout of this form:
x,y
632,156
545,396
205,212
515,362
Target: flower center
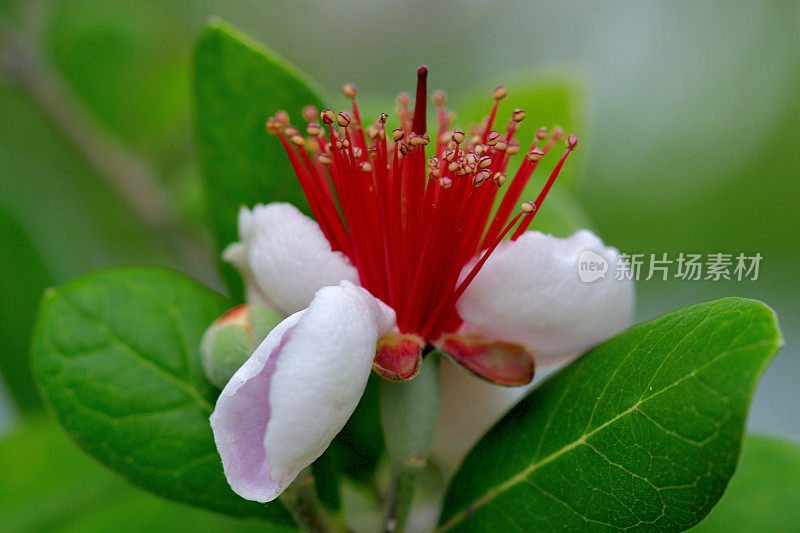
x,y
408,224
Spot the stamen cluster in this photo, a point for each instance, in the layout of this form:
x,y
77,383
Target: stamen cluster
x,y
409,223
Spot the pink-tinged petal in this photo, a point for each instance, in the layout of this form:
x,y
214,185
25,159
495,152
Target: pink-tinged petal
x,y
240,419
502,363
286,403
529,292
398,356
285,257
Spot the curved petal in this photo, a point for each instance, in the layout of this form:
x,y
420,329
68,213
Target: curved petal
x,y
283,407
530,292
462,424
285,258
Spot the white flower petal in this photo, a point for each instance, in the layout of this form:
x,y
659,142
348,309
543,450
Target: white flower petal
x,y
284,406
469,406
285,257
240,419
529,292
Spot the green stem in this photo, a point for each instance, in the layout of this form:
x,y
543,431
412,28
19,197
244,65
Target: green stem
x,y
408,415
300,498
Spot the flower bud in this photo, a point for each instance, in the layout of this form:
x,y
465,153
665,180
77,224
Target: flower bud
x,y
233,338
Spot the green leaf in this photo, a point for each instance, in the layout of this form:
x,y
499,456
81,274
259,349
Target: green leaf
x,y
23,280
140,93
642,433
238,84
73,217
765,492
116,354
48,484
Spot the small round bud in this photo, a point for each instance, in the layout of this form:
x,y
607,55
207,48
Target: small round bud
x,y
492,139
349,90
343,119
282,116
535,155
484,161
501,145
310,113
458,136
513,147
541,133
484,174
298,140
383,118
439,98
572,141
518,115
528,207
327,116
558,134
314,129
290,131
232,339
398,134
445,182
499,92
325,159
499,179
273,125
365,166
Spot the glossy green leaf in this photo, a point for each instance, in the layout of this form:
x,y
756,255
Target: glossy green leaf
x,y
640,434
764,495
48,484
238,84
116,354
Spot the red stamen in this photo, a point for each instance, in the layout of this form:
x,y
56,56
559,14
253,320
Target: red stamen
x,y
409,224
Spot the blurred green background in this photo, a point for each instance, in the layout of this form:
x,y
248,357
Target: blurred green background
x,y
689,143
